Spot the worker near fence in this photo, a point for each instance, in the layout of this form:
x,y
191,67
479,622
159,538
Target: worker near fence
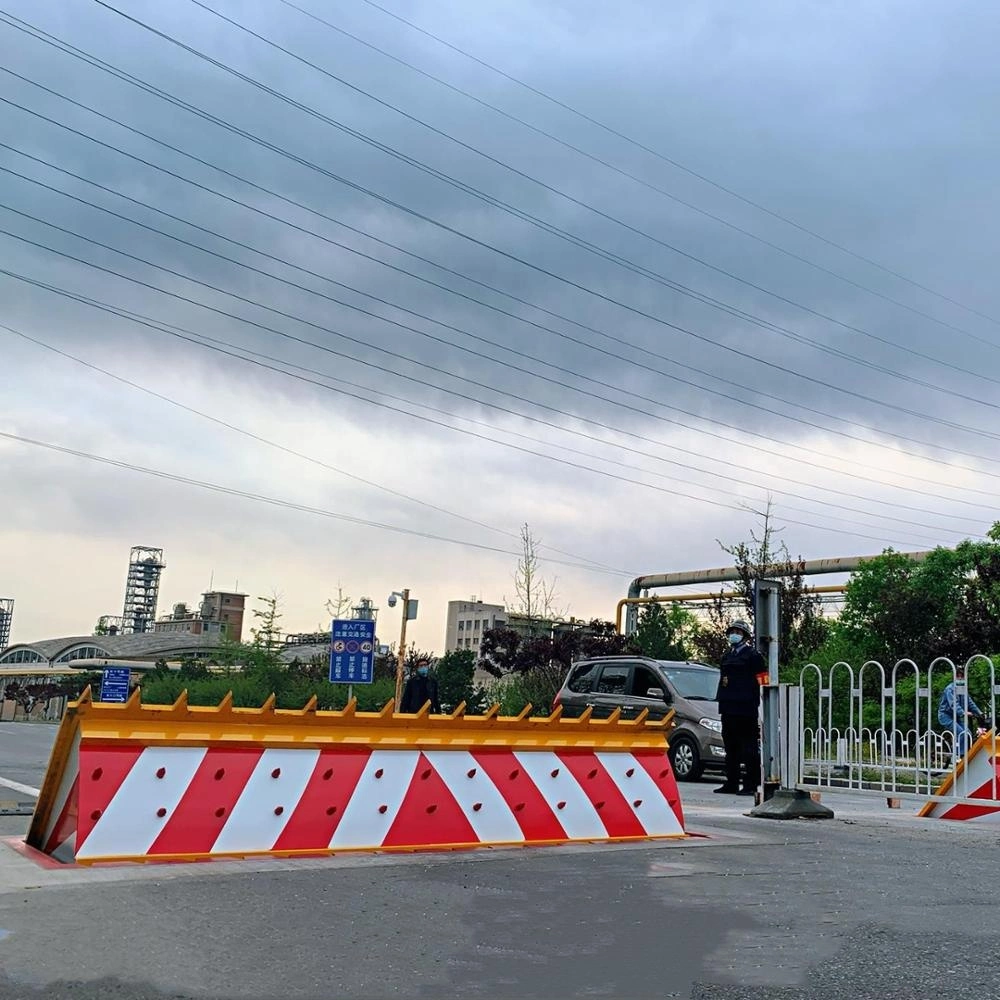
x,y
739,705
421,688
956,710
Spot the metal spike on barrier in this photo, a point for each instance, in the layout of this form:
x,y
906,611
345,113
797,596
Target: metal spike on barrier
x,y
164,782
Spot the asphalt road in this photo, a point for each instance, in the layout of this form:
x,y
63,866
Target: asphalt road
x,y
872,905
24,752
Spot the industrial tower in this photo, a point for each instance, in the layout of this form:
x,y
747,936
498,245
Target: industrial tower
x,y
6,616
142,587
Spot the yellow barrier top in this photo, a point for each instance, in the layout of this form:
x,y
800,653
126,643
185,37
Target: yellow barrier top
x,y
182,724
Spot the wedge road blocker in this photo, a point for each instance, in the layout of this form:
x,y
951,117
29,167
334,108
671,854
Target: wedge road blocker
x,y
138,782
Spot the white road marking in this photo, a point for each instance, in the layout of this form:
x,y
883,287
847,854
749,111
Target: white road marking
x,y
18,787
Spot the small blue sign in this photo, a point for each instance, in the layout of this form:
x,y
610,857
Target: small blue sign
x,y
352,651
114,684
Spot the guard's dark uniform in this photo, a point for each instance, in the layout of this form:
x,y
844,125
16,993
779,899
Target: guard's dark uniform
x,y
739,704
418,691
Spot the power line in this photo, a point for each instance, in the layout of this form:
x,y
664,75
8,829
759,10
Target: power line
x,y
170,330
476,354
411,360
368,235
688,170
291,451
649,185
622,261
276,501
722,437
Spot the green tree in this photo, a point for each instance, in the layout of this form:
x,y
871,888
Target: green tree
x,y
803,628
455,673
947,605
665,632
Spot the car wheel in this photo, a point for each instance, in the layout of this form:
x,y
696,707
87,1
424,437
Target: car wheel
x,y
685,759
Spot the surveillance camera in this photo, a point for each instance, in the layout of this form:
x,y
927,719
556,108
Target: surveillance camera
x,y
392,600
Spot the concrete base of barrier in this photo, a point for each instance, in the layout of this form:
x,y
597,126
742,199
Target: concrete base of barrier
x,y
788,803
160,783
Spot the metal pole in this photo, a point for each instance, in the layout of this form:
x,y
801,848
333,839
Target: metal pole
x,y
400,659
767,628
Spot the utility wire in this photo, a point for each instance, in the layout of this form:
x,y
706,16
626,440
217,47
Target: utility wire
x,y
309,458
689,170
622,261
296,454
477,354
607,255
618,464
398,269
277,501
411,360
621,171
164,328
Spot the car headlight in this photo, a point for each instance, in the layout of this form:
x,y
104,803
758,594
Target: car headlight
x,y
714,724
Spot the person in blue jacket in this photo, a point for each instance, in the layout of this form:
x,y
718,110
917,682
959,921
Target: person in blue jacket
x,y
956,710
739,705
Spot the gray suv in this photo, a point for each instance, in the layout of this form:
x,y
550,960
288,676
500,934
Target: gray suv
x,y
633,683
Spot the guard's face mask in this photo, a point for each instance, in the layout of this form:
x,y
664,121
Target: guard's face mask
x,y
422,671
735,638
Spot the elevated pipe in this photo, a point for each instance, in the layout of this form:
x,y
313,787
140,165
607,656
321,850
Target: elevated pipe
x,y
709,595
808,567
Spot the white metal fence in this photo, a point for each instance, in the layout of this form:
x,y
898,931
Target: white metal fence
x,y
873,730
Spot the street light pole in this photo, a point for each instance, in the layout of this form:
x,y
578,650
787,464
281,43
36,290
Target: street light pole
x,y
401,657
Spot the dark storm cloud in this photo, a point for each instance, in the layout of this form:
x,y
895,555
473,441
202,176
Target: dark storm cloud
x,y
849,124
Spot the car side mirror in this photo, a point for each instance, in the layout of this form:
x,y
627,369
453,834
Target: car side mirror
x,y
657,693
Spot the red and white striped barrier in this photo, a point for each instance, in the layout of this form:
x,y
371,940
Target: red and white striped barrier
x,y
120,800
975,777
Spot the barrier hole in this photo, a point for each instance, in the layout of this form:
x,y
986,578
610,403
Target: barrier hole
x,y
471,773
161,771
560,805
514,773
278,810
664,772
276,773
96,773
425,774
637,803
519,807
220,774
96,814
383,809
476,806
161,812
379,773
555,772
432,808
593,773
331,810
220,811
328,774
598,805
630,772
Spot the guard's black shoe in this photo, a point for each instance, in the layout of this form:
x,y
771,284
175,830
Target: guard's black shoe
x,y
726,790
747,791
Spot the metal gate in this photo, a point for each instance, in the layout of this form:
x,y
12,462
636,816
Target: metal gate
x,y
877,731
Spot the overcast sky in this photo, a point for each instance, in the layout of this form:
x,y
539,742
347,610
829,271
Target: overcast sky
x,y
488,326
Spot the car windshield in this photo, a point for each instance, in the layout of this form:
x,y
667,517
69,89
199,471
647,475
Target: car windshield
x,y
694,683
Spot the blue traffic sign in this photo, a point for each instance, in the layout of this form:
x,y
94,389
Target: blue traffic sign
x,y
114,684
352,651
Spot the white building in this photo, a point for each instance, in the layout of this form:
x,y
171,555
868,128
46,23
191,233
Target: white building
x,y
468,620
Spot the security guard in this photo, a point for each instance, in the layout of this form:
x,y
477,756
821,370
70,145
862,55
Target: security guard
x,y
739,704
